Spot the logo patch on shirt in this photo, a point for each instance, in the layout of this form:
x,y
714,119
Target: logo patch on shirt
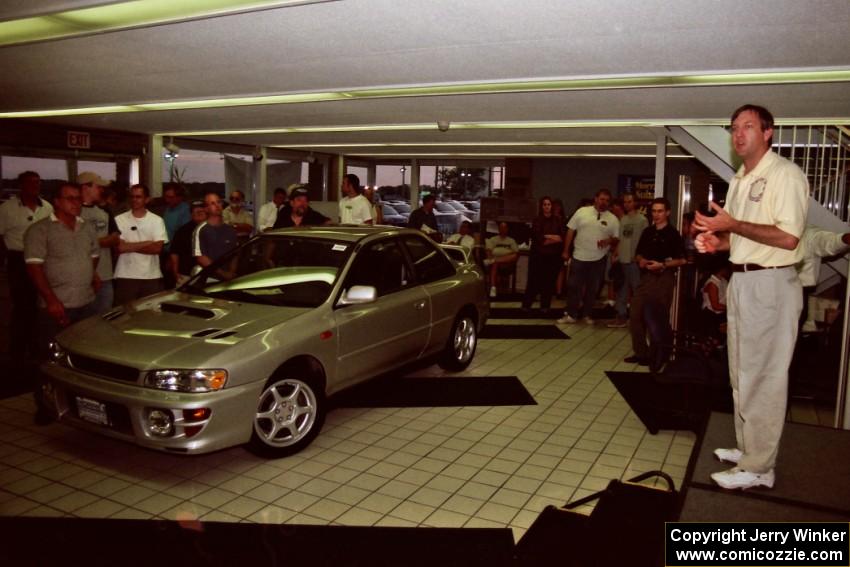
x,y
757,189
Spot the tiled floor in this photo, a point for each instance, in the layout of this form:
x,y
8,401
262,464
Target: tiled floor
x,y
446,466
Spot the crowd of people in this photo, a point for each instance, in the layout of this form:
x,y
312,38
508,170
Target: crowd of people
x,y
76,257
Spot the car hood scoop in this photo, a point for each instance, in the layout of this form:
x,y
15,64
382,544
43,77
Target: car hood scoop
x,y
191,310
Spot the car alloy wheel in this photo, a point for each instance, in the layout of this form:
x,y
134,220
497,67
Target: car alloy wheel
x,y
289,414
461,345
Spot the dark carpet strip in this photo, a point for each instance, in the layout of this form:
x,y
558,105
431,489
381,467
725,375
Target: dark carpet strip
x,y
517,313
99,542
443,391
811,470
522,332
16,378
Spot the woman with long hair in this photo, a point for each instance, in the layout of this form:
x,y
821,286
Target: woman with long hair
x,y
547,243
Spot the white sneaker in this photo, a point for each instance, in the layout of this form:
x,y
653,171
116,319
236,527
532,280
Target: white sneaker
x,y
588,320
728,455
566,320
493,292
735,478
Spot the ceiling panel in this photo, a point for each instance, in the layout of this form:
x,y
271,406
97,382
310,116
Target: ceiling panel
x,y
375,43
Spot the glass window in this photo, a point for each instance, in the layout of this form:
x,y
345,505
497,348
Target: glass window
x,y
429,262
380,265
105,169
275,270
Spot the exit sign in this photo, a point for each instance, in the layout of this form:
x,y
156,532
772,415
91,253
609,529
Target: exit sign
x,y
79,140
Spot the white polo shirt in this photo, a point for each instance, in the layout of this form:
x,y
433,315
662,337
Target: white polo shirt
x,y
775,192
591,226
267,216
355,210
16,218
134,265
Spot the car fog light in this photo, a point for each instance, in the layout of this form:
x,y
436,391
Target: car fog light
x,y
160,422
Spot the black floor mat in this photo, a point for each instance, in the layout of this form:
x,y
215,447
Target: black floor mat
x,y
522,332
16,378
517,313
394,391
96,542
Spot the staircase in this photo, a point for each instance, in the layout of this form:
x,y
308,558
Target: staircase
x,y
822,153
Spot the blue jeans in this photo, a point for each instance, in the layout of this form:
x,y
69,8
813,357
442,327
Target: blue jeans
x,y
583,286
103,299
631,279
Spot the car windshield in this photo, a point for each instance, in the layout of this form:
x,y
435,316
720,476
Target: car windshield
x,y
444,207
282,270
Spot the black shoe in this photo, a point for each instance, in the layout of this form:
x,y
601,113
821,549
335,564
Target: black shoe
x,y
639,360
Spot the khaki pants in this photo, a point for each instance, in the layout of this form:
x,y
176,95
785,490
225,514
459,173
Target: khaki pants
x,y
763,310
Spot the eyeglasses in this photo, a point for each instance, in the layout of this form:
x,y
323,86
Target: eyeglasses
x,y
236,199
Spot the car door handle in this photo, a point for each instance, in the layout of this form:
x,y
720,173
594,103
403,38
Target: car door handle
x,y
419,304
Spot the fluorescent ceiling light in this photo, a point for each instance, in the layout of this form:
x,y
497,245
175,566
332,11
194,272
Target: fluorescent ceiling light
x,y
514,154
125,15
497,126
630,82
464,144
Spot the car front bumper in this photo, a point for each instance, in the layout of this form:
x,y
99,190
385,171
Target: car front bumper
x,y
121,410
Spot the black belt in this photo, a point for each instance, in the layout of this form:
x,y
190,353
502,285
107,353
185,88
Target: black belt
x,y
756,267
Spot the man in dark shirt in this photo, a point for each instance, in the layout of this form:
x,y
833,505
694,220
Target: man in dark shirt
x,y
181,259
213,239
298,212
424,218
659,252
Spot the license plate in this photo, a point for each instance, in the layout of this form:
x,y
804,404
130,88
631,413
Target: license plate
x,y
92,410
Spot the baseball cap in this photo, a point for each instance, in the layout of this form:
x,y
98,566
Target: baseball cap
x,y
91,177
299,191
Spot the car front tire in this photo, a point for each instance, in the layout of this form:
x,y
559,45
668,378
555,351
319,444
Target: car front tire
x,y
460,346
290,413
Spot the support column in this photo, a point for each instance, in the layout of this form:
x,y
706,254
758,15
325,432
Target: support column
x,y
660,162
372,175
259,181
337,173
414,183
152,168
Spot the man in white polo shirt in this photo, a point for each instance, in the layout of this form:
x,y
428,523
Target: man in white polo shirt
x,y
761,226
595,230
143,235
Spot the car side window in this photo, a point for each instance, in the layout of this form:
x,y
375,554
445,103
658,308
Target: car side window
x,y
429,262
381,265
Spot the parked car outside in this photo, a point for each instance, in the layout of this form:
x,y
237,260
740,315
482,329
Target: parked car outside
x,y
392,216
250,349
470,214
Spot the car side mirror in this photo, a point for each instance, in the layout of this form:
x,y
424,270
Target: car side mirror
x,y
358,294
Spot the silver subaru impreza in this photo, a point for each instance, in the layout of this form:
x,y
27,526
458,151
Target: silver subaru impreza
x,y
249,349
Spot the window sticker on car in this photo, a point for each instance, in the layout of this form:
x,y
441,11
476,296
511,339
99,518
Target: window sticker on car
x,y
339,247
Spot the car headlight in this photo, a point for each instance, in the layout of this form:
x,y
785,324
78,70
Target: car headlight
x,y
56,353
187,380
